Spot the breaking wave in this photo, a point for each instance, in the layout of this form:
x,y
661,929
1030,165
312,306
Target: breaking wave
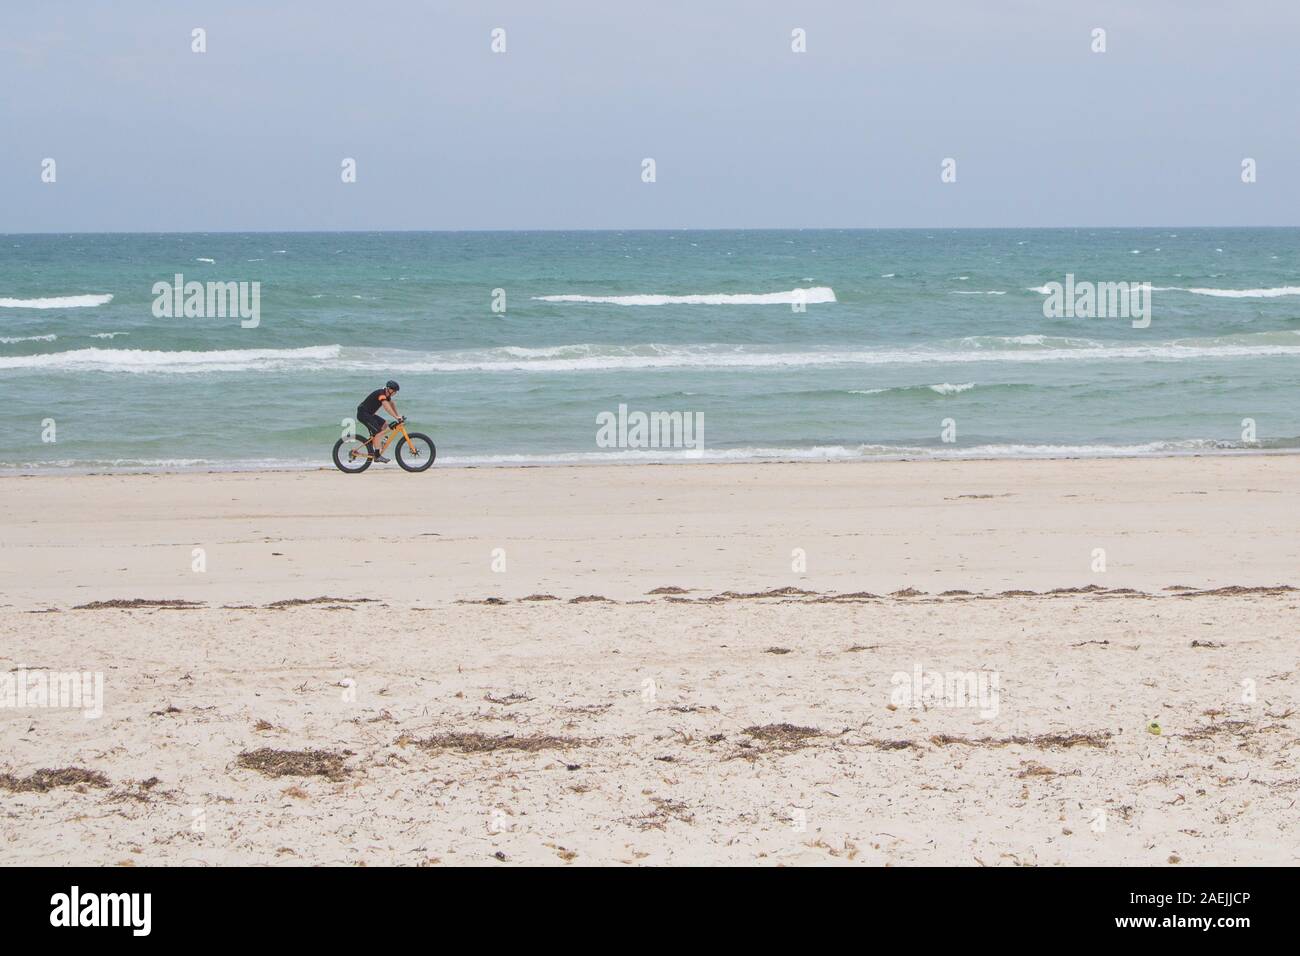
x,y
811,296
57,302
601,358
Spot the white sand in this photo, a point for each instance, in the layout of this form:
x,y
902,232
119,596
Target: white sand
x,y
652,696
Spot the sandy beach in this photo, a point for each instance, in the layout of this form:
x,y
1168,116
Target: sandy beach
x,y
749,663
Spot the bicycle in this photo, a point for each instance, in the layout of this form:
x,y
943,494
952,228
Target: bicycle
x,y
413,451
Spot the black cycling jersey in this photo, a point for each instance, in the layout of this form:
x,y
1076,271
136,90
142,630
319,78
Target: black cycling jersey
x,y
370,404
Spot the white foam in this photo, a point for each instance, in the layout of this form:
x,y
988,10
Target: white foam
x,y
944,388
5,340
599,358
810,296
57,302
1271,293
129,465
1035,339
827,453
948,389
1247,293
142,361
581,358
201,259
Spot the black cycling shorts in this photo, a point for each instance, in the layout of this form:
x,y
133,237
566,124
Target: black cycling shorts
x,y
372,421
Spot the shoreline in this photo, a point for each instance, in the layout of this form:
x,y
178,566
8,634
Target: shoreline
x,y
294,467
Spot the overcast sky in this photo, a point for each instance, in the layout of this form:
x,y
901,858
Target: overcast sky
x,y
149,136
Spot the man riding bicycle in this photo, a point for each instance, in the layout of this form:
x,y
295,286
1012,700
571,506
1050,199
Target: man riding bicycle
x,y
367,414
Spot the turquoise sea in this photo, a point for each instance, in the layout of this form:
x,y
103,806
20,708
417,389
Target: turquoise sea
x,y
902,332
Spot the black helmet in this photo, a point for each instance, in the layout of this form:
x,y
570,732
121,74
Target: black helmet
x,y
392,386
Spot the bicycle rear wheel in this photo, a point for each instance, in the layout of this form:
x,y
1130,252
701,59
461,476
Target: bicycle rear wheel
x,y
417,454
351,455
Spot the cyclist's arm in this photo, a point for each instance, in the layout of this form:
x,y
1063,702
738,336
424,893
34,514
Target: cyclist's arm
x,y
390,408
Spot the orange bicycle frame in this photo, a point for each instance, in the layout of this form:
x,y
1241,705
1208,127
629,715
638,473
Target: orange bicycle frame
x,y
391,433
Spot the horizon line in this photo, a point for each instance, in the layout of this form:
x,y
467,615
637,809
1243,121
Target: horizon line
x,y
235,232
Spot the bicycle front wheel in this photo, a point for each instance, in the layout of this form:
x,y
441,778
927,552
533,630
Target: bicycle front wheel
x,y
351,456
415,452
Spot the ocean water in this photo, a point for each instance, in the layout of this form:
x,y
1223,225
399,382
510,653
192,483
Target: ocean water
x,y
902,333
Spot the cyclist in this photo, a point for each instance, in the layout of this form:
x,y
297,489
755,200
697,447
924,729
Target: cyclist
x,y
367,414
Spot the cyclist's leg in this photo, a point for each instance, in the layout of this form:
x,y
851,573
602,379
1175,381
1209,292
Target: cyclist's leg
x,y
374,425
377,426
